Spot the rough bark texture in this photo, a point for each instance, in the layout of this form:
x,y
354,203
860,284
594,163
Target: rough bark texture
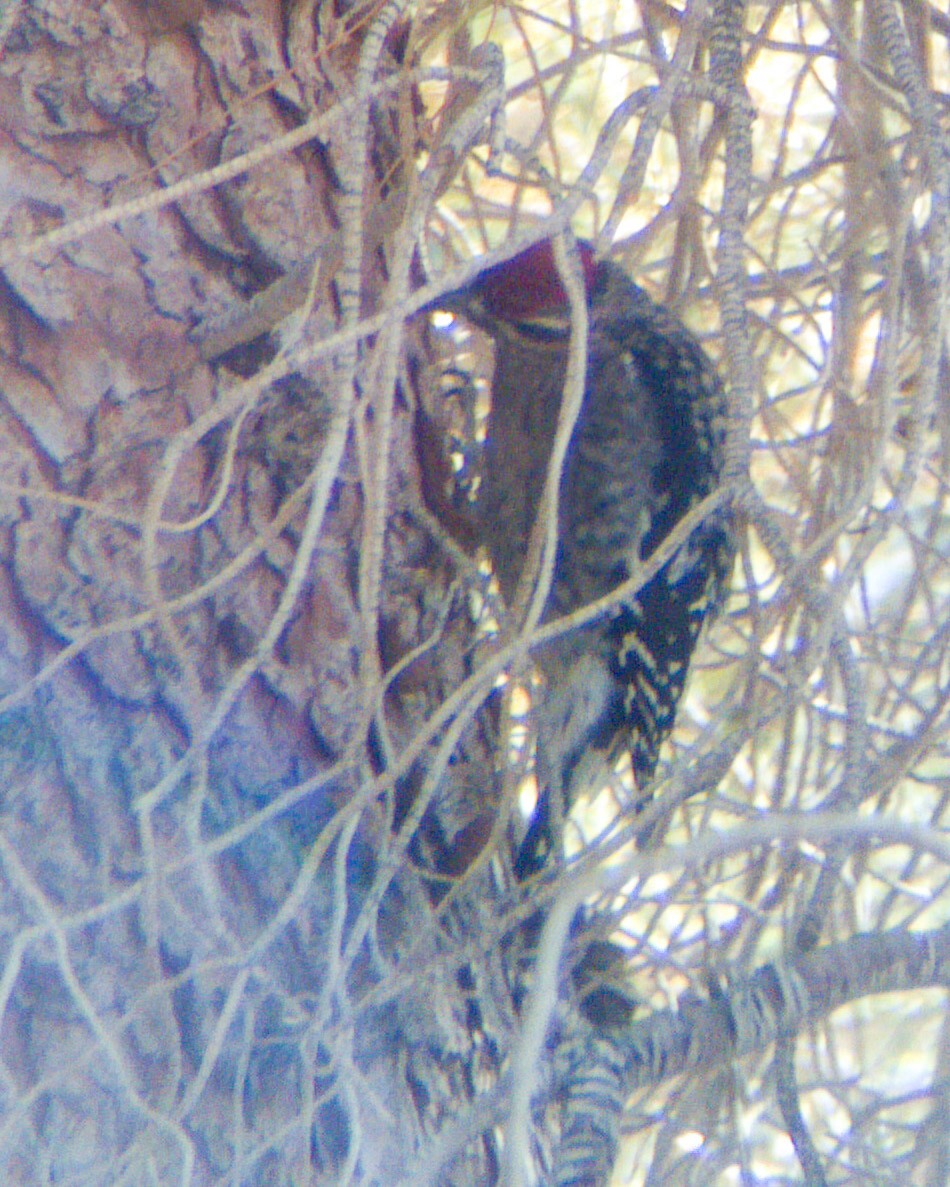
x,y
174,999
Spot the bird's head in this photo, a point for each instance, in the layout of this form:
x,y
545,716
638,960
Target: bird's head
x,y
525,292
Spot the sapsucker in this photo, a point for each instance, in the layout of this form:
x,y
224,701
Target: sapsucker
x,y
647,446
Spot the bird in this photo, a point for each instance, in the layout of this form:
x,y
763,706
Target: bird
x,y
647,446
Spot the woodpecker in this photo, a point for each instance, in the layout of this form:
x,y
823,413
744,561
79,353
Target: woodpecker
x,y
647,446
